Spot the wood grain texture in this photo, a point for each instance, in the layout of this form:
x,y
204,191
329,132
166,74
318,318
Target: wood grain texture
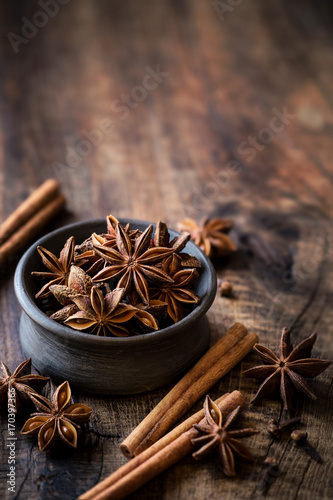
x,y
205,140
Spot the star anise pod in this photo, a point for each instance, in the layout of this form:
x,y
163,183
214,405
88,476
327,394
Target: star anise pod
x,y
89,257
147,315
79,283
178,243
216,438
58,268
104,315
211,235
135,263
287,371
111,235
56,419
85,253
156,308
79,280
22,381
65,312
162,238
176,293
145,319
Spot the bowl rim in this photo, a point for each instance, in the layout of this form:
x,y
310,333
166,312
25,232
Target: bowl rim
x,y
65,332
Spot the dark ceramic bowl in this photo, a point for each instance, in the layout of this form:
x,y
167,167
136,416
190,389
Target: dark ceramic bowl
x,y
109,365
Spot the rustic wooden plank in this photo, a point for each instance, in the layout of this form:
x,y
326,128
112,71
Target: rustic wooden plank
x,y
168,156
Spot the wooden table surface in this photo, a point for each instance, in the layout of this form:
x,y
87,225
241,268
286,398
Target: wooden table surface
x,y
192,108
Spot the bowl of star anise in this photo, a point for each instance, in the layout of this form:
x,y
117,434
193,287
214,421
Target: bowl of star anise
x,y
116,307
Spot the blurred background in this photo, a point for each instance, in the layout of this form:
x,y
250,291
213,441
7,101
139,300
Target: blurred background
x,y
138,108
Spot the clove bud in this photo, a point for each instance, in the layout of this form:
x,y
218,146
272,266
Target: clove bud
x,y
271,472
300,439
276,429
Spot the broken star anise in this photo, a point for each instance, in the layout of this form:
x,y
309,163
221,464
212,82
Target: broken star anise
x,y
147,315
286,372
211,235
176,293
135,263
58,268
218,439
79,283
111,235
55,419
104,315
22,381
178,243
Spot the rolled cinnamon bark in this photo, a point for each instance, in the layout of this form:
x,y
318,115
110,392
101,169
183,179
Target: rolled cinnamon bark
x,y
230,402
28,208
218,361
31,228
155,463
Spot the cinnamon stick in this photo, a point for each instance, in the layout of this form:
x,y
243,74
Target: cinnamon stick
x,y
35,202
31,228
230,402
161,460
218,361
